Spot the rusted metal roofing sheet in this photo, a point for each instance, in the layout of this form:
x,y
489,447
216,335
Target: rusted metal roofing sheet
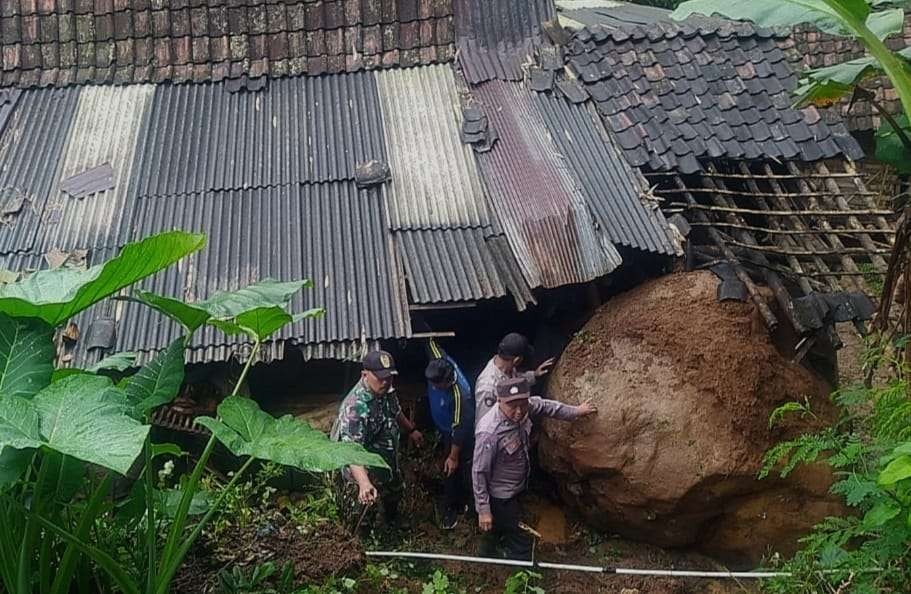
x,y
30,155
539,205
435,180
304,129
614,191
104,131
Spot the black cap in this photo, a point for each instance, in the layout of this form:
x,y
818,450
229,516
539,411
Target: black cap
x,y
514,388
380,363
439,371
514,345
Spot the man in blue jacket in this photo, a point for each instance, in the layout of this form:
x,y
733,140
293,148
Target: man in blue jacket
x,y
452,407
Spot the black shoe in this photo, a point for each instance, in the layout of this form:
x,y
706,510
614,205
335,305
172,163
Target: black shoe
x,y
450,519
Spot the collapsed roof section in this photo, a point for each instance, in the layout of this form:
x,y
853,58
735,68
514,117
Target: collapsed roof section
x,y
801,229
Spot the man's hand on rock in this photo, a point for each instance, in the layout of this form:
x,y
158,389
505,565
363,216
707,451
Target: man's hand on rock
x,y
587,408
485,522
544,368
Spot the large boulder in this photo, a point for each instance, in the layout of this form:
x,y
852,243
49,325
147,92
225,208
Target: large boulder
x,y
684,387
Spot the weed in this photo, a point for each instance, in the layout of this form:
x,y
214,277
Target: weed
x,y
439,583
523,582
256,581
872,278
869,450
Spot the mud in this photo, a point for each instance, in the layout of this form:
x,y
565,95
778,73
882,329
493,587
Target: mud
x,y
315,552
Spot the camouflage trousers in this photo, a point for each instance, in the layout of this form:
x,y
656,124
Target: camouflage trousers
x,y
390,487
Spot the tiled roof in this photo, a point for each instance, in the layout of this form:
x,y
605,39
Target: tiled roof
x,y
60,42
673,94
819,49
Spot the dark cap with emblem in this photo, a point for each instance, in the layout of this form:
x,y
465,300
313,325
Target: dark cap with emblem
x,y
514,345
516,388
380,363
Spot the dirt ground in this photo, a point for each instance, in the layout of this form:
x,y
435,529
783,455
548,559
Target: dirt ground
x,y
324,551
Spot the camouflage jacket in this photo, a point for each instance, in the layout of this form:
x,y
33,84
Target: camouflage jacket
x,y
370,420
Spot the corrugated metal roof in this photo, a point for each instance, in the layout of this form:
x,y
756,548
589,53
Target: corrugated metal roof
x,y
435,181
104,130
480,64
203,137
333,234
609,13
446,265
499,23
30,156
8,100
495,39
539,206
613,189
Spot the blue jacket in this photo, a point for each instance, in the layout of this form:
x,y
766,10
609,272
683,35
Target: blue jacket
x,y
452,409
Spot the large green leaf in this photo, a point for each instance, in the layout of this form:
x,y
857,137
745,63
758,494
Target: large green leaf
x,y
256,310
261,322
830,83
881,513
26,356
897,470
85,417
65,477
115,362
20,424
58,294
159,381
778,13
886,22
12,466
230,304
189,316
889,146
248,431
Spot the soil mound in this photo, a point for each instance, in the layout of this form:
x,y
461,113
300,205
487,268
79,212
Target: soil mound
x,y
684,387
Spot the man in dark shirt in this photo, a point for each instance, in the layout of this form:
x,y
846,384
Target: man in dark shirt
x,y
452,408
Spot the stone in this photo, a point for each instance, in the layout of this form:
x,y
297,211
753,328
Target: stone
x,y
684,387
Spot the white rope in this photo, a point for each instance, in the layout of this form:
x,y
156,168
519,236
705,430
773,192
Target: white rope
x,y
585,568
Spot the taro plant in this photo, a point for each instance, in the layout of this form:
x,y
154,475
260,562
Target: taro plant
x,y
869,22
67,435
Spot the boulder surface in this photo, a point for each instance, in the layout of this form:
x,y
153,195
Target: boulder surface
x,y
684,387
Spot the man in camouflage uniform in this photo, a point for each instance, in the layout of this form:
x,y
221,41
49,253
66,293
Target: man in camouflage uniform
x,y
371,416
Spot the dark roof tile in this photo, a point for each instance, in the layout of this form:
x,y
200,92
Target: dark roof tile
x,y
276,38
719,92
